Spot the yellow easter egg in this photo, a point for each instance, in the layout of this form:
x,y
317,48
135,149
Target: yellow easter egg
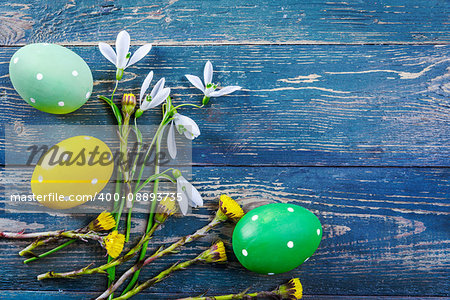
x,y
72,172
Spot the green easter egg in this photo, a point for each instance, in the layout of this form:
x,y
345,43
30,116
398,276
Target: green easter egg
x,y
51,78
276,238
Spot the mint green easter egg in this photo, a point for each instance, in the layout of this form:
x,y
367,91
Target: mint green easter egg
x,y
51,78
276,238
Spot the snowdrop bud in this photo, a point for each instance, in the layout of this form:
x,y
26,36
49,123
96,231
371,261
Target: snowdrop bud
x,y
119,74
176,173
205,100
138,113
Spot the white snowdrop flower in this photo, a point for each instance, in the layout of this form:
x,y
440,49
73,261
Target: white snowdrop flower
x,y
157,96
189,196
184,125
122,58
209,89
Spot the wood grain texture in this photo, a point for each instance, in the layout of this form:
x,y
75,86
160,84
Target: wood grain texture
x,y
38,295
237,21
300,106
385,233
359,134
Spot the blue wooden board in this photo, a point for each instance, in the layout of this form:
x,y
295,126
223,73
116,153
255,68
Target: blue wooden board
x,y
385,233
37,295
345,111
301,105
232,21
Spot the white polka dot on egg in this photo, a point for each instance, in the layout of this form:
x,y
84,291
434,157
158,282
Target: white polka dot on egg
x,y
306,259
40,178
75,73
290,244
290,209
33,100
16,59
39,76
94,181
318,231
87,138
61,103
255,217
244,252
270,273
88,94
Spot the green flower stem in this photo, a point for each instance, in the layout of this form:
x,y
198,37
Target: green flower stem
x,y
258,295
49,252
124,166
117,215
152,209
151,178
115,89
141,171
133,170
164,121
117,191
101,269
128,226
290,290
124,131
27,250
157,278
140,143
187,104
68,234
118,115
218,219
157,176
113,106
137,189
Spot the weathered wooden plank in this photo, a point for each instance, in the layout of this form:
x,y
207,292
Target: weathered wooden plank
x,y
301,105
37,295
385,233
238,21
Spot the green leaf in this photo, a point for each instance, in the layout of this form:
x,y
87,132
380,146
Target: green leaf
x,y
138,134
154,177
115,109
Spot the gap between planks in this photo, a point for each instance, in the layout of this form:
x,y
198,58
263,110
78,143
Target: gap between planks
x,y
147,293
207,165
247,43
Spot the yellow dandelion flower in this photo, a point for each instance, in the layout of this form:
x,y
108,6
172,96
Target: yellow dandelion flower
x,y
114,243
292,290
230,208
216,253
104,221
166,208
